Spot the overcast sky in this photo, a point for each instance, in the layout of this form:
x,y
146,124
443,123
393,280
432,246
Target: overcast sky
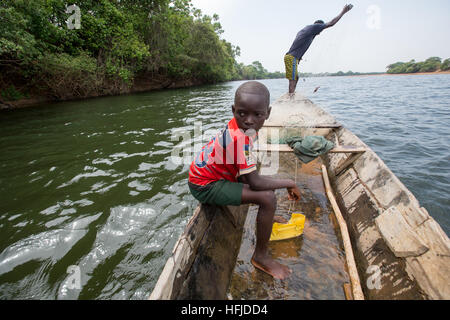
x,y
371,36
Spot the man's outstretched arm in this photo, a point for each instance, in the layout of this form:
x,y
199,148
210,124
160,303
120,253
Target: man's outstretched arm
x,y
346,9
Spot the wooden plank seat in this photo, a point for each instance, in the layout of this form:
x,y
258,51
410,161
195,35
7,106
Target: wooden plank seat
x,y
286,148
355,153
314,126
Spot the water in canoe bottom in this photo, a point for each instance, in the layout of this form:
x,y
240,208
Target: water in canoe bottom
x,y
316,258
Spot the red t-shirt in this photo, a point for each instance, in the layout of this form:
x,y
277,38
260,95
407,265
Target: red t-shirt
x,y
226,157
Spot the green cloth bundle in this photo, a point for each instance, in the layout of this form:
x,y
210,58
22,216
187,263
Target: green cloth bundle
x,y
310,147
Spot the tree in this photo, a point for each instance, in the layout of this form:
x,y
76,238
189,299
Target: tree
x,y
445,65
395,67
430,65
119,41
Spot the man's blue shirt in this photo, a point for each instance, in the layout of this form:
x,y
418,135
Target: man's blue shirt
x,y
304,39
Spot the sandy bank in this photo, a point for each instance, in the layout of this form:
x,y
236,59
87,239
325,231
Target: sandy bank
x,y
398,74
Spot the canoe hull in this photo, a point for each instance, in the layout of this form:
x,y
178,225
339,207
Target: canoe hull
x,y
400,250
205,254
391,233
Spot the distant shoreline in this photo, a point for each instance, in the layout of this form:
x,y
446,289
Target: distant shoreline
x,y
394,74
362,74
33,101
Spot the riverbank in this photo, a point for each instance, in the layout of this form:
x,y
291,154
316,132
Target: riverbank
x,y
418,73
114,48
395,74
148,85
141,85
411,74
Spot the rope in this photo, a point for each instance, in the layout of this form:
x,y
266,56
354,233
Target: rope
x,y
292,201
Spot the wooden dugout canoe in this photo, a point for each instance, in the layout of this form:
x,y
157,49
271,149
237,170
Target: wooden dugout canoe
x,y
388,229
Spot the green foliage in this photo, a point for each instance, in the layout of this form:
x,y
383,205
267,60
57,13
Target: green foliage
x,y
430,65
118,42
12,94
445,66
60,71
255,71
16,43
341,73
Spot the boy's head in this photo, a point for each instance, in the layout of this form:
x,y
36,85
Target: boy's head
x,y
319,22
251,105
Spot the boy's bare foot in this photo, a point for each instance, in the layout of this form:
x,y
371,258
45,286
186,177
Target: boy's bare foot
x,y
279,219
270,266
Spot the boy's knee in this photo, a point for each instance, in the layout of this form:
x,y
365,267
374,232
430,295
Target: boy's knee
x,y
269,199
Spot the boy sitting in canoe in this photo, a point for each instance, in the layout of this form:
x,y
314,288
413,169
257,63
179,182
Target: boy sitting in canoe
x,y
225,173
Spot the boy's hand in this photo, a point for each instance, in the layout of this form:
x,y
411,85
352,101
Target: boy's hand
x,y
279,219
293,193
347,8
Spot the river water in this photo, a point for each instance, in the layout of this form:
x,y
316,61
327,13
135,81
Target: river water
x,y
92,187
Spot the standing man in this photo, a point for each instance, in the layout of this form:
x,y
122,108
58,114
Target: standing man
x,y
302,42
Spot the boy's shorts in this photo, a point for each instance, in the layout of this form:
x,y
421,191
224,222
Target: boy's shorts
x,y
291,64
221,193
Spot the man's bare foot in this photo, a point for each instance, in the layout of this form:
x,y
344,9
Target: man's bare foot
x,y
270,266
279,219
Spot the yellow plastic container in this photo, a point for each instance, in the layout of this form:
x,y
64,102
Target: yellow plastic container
x,y
292,229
